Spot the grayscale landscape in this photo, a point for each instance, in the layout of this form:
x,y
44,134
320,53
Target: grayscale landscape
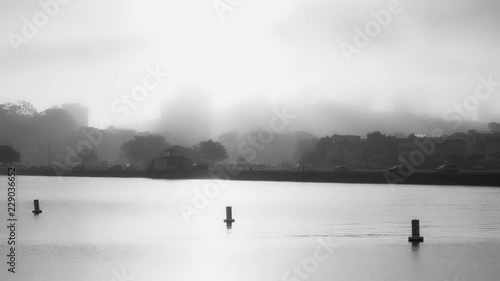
x,y
249,140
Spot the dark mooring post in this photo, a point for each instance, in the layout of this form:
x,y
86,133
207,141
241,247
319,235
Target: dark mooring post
x,y
229,217
415,233
37,210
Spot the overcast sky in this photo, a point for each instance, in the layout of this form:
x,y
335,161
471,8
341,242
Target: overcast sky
x,y
263,54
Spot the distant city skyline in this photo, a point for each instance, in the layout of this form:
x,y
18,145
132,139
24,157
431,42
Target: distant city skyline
x,y
269,54
258,139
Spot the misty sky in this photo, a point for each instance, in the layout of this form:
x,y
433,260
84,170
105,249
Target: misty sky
x,y
265,54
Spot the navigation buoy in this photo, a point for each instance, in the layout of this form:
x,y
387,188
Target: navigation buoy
x,y
415,233
37,210
229,217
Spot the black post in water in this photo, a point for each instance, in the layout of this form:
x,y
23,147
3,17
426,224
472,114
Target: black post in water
x,y
415,233
229,217
37,210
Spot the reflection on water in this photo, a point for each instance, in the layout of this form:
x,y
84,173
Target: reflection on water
x,y
90,228
415,247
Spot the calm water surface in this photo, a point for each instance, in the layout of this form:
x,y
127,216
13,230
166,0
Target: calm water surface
x,y
108,229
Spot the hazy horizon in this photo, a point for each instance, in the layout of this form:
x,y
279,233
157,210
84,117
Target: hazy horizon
x,y
330,128
230,73
360,126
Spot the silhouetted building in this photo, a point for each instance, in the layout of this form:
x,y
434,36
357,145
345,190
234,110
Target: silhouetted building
x,y
380,153
169,162
410,151
35,153
455,150
340,150
485,149
465,150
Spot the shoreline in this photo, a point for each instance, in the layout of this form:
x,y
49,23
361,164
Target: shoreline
x,y
467,178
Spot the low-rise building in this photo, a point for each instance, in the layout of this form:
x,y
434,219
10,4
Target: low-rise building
x,y
344,150
169,162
